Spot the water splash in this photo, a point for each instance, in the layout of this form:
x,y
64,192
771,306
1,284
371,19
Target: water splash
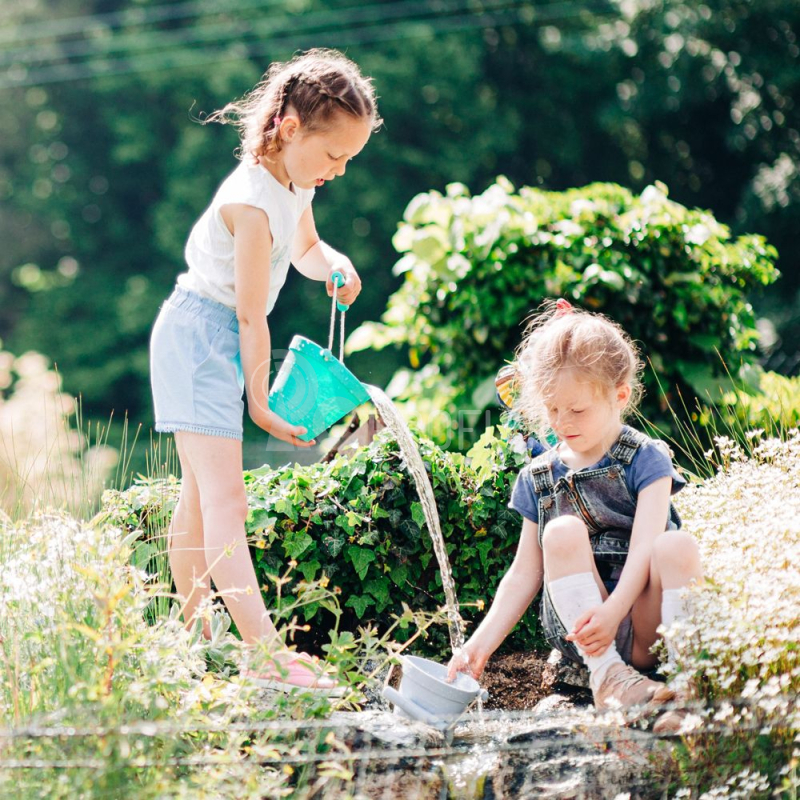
x,y
416,466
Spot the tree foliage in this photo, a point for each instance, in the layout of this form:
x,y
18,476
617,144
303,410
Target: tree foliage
x,y
102,177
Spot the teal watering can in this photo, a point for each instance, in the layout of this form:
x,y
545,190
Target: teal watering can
x,y
313,388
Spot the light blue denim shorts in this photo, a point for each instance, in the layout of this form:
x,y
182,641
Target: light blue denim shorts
x,y
196,368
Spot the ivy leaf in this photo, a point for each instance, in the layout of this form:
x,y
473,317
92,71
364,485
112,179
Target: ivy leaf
x,y
378,588
295,543
399,575
482,455
417,514
286,508
360,558
484,548
360,604
309,569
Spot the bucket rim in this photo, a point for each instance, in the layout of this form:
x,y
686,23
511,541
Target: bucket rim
x,y
450,691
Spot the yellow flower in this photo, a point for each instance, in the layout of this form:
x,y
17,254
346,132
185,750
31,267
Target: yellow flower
x,y
324,581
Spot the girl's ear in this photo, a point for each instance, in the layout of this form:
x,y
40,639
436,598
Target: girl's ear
x,y
290,125
623,395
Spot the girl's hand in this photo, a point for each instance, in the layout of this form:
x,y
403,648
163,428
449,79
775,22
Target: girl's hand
x,y
595,630
352,287
280,428
464,660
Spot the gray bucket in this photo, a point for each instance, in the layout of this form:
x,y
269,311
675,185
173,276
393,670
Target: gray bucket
x,y
426,696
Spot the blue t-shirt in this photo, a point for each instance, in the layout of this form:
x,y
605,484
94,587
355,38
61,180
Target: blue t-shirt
x,y
651,462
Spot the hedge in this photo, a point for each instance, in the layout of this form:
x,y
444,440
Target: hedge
x,y
357,522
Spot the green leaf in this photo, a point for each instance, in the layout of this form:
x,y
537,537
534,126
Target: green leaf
x,y
484,547
309,569
399,575
295,543
418,514
360,558
482,456
379,589
360,604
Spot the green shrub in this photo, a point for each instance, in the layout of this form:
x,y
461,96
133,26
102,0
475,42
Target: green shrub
x,y
475,267
358,523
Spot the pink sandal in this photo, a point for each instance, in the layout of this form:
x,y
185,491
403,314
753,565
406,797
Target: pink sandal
x,y
300,674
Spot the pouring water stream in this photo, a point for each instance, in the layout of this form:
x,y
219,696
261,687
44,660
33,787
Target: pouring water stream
x,y
416,466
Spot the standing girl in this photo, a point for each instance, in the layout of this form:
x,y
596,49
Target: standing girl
x,y
599,530
299,127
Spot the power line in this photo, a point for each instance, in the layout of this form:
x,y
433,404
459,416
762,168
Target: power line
x,y
216,32
34,31
184,58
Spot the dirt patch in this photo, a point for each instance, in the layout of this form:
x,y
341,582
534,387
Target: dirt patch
x,y
517,681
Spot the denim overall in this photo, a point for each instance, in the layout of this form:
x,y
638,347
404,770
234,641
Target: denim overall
x,y
601,499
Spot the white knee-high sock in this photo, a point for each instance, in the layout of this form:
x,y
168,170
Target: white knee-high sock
x,y
572,596
673,607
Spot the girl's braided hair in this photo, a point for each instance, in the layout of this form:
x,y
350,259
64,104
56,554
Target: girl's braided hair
x,y
316,86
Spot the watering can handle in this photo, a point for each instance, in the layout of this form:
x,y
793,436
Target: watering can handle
x,y
337,279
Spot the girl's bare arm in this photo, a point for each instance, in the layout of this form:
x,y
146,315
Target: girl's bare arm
x,y
514,594
252,246
316,260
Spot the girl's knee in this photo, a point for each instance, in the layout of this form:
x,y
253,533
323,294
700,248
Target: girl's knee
x,y
233,506
563,535
676,551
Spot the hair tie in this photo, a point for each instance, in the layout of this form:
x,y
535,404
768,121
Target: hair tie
x,y
563,307
277,122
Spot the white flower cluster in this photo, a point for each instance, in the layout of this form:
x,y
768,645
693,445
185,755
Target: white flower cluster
x,y
742,786
738,649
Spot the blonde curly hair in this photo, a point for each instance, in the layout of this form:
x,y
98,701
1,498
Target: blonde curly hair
x,y
562,337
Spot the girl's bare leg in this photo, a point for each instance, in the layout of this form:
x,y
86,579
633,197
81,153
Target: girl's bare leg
x,y
567,551
216,463
187,558
675,563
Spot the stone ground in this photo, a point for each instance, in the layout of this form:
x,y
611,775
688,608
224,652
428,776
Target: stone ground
x,y
538,738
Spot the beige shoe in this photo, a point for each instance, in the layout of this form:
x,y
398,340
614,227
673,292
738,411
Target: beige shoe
x,y
670,722
624,687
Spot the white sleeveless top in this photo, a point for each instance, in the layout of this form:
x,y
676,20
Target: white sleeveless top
x,y
209,249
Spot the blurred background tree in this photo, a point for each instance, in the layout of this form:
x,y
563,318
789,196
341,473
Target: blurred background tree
x,y
104,166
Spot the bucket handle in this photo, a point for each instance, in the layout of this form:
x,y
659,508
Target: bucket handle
x,y
338,280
